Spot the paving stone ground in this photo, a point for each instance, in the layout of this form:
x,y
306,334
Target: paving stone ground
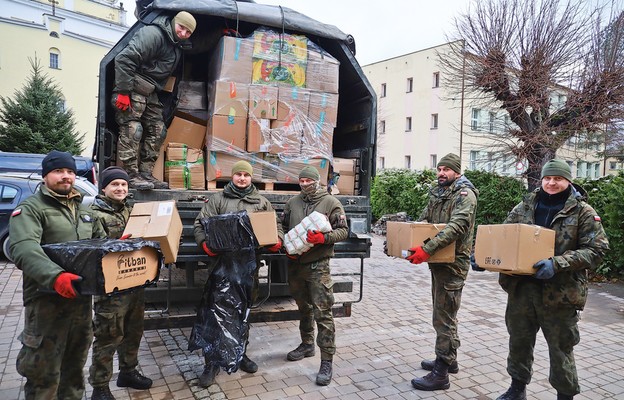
x,y
379,347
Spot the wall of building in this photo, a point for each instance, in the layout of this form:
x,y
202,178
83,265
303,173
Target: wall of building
x,y
79,41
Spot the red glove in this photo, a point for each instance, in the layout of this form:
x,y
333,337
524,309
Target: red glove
x,y
419,255
122,102
315,237
276,247
292,256
208,251
126,236
63,284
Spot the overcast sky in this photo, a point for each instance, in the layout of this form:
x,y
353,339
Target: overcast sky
x,y
382,29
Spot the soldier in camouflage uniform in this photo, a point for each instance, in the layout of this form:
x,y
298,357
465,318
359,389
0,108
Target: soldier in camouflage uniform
x,y
238,195
309,276
118,322
57,321
452,202
552,298
141,71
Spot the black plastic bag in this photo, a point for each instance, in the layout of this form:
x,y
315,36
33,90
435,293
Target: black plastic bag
x,y
222,325
84,258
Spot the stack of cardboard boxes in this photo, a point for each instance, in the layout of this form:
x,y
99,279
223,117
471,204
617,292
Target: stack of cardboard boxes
x,y
271,99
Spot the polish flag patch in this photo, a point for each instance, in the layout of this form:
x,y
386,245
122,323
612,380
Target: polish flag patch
x,y
16,212
597,218
464,193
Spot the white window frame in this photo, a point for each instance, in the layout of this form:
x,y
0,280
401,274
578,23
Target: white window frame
x,y
383,90
410,85
408,162
436,80
434,121
474,119
408,124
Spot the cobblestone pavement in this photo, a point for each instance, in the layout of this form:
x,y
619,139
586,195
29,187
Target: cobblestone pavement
x,y
379,347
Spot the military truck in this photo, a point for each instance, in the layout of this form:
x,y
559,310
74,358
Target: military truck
x,y
354,135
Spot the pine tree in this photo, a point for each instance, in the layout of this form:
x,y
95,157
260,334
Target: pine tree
x,y
35,121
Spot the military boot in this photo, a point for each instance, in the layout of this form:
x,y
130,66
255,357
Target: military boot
x,y
148,177
137,182
303,350
134,380
102,393
561,396
437,379
209,375
517,391
247,365
427,365
324,376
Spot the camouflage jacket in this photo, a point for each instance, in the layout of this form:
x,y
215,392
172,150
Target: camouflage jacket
x,y
46,218
153,53
300,206
580,244
455,206
228,201
112,216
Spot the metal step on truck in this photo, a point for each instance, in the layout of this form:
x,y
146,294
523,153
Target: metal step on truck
x,y
352,136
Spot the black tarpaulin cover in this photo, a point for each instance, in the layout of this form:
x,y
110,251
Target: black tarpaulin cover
x,y
84,258
222,324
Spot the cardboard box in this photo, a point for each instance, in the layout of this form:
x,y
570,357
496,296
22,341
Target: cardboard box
x,y
130,269
286,138
192,95
280,46
184,167
184,128
107,265
323,109
288,171
344,166
292,101
258,135
232,60
266,72
322,72
170,84
228,98
346,184
264,224
263,101
158,221
226,133
317,141
513,248
219,165
402,236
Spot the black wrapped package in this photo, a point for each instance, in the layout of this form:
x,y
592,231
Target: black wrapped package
x,y
108,265
229,232
222,324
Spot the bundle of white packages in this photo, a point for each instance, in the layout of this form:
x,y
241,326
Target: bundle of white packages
x,y
295,240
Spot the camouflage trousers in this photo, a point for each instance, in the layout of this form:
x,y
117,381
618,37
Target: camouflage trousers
x,y
55,344
312,288
525,316
446,292
117,327
141,132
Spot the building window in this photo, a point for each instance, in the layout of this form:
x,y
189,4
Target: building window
x,y
474,122
54,34
382,127
434,121
490,164
433,161
596,170
383,90
382,162
492,121
507,121
408,162
612,165
436,79
473,159
410,85
55,59
408,124
505,168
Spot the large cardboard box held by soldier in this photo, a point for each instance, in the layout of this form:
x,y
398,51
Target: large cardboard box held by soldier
x,y
158,221
264,224
401,236
513,248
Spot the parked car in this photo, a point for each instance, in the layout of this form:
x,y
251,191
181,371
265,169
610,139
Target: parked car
x,y
30,162
15,187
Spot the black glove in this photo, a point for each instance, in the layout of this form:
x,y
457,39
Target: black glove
x,y
474,265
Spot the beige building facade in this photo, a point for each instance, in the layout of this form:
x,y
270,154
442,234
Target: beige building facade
x,y
420,120
68,38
